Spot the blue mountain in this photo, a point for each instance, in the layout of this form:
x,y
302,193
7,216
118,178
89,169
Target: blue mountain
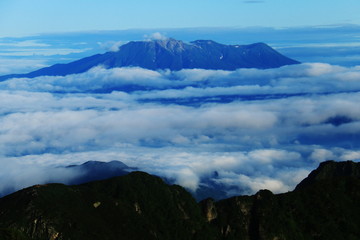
x,y
174,55
95,170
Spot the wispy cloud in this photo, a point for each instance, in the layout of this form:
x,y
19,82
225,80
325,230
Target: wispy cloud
x,y
39,52
11,65
155,36
22,44
111,46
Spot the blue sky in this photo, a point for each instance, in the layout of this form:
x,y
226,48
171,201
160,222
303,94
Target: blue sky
x,y
27,17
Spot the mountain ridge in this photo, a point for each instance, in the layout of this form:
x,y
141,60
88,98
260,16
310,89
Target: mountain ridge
x,y
174,55
142,206
331,170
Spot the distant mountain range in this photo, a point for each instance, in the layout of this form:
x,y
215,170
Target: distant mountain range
x,y
174,55
324,206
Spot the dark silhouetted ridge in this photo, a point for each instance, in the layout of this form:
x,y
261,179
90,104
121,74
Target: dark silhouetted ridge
x,y
325,206
332,170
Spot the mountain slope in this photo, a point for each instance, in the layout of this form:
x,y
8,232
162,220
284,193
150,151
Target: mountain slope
x,y
331,170
174,55
141,206
136,206
326,209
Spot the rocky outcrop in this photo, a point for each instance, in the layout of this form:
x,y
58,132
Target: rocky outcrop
x,y
209,209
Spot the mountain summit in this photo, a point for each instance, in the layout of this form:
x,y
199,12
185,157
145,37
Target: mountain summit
x,y
174,55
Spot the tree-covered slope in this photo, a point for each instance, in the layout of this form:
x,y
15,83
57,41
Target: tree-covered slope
x,y
325,206
136,206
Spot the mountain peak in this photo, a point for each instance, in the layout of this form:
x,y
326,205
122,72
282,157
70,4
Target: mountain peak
x,y
171,44
332,170
167,40
204,42
174,55
95,170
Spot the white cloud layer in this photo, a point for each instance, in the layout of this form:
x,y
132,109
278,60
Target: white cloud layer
x,y
245,130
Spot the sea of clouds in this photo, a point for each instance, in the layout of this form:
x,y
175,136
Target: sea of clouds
x,y
243,130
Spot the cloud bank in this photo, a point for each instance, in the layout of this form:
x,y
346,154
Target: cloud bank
x,y
243,130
